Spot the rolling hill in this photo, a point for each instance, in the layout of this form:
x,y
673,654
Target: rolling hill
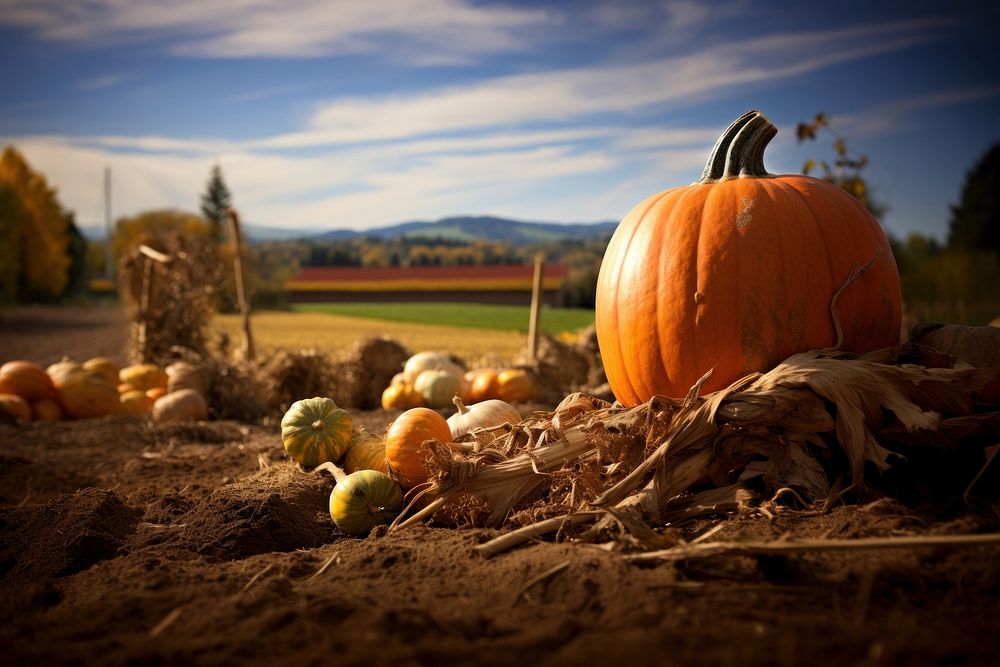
x,y
484,228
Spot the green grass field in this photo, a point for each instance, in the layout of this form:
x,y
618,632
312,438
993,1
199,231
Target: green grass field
x,y
467,315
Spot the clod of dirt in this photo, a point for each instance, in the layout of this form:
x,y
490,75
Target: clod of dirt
x,y
279,508
69,534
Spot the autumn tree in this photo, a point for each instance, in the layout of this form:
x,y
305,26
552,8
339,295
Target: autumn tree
x,y
215,201
154,227
975,220
37,229
846,170
10,259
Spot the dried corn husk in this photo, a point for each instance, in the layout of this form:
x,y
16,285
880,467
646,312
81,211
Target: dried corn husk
x,y
817,417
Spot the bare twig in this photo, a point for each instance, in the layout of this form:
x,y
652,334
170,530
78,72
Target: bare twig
x,y
798,546
517,537
257,576
167,621
541,577
328,563
856,272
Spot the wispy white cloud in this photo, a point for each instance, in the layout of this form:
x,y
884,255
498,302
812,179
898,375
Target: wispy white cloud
x,y
268,92
102,82
359,187
416,31
902,114
557,96
486,146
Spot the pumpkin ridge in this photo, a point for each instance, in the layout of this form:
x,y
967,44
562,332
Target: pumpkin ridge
x,y
784,240
664,316
648,372
813,332
808,235
829,286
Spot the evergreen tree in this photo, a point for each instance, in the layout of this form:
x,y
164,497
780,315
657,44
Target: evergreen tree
x,y
975,221
216,201
78,275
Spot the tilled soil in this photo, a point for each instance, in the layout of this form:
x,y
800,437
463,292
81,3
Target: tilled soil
x,y
127,543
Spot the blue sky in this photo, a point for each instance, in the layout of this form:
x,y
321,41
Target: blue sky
x,y
326,114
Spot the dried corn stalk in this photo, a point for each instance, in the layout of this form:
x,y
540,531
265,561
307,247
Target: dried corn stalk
x,y
817,417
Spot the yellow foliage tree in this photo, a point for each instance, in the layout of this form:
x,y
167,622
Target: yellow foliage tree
x,y
37,228
153,228
10,260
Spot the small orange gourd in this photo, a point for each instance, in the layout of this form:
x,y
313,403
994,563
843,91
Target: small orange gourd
x,y
144,376
401,396
25,379
82,393
103,366
367,452
405,452
515,386
135,402
13,406
483,385
46,410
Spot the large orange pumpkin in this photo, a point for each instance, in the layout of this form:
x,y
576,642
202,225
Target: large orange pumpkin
x,y
736,272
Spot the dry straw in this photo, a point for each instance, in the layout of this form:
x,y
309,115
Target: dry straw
x,y
796,432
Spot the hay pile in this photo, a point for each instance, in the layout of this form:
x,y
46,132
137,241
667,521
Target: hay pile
x,y
353,379
365,370
290,375
820,425
180,300
560,368
235,388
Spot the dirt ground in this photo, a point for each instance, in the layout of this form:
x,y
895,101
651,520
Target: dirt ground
x,y
128,543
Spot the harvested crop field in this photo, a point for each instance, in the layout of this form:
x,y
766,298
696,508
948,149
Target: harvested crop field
x,y
274,330
123,542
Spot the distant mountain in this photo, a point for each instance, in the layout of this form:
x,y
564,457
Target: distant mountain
x,y
482,228
255,233
459,228
260,233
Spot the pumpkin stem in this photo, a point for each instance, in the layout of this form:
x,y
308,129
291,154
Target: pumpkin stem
x,y
740,149
318,425
462,409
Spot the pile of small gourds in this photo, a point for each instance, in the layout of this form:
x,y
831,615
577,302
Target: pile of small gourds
x,y
98,387
431,379
376,471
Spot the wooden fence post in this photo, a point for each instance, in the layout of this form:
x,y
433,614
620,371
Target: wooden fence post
x,y
536,306
148,257
234,234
